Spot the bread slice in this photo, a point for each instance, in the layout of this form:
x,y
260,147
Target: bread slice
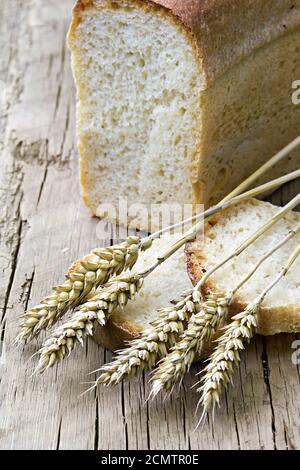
x,y
281,309
178,101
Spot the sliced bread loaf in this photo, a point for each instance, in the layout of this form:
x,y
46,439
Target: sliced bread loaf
x,y
180,100
281,309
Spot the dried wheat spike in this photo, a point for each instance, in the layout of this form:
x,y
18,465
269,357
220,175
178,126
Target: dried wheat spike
x,y
219,371
82,323
94,270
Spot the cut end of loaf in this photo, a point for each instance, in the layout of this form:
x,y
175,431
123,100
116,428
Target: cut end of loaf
x,y
138,112
280,311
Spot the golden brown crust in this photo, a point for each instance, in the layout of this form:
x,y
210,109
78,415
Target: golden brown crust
x,y
229,30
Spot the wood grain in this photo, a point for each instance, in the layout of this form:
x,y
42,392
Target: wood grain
x,y
43,227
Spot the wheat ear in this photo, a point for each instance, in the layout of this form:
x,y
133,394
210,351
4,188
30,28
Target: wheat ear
x,y
82,323
84,275
165,316
41,316
143,353
211,316
48,347
219,371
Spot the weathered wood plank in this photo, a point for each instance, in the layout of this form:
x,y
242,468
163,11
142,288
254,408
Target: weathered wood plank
x,y
39,219
43,227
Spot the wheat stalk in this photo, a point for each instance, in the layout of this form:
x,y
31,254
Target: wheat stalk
x,y
84,275
84,278
143,353
153,343
219,371
103,263
82,323
97,268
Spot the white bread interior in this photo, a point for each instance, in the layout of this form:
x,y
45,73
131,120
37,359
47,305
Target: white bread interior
x,y
164,114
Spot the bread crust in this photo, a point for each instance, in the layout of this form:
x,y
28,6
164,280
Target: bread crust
x,y
271,321
116,334
229,30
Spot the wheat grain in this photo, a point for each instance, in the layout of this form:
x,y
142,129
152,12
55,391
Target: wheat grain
x,y
201,327
82,323
153,343
84,275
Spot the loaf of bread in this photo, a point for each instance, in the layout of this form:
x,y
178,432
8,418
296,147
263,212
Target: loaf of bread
x,y
280,311
180,100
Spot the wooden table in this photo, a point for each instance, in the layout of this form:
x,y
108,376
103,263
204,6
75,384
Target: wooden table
x,y
43,227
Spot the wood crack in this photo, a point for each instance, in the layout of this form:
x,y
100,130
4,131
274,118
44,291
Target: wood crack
x,y
96,435
236,428
124,415
266,376
58,435
14,261
147,415
26,290
42,185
